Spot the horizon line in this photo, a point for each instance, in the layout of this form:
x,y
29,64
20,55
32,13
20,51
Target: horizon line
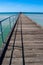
x,y
22,12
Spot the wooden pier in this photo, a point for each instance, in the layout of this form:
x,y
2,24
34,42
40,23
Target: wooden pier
x,y
26,44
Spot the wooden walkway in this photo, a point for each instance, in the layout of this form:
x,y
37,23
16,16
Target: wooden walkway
x,y
26,44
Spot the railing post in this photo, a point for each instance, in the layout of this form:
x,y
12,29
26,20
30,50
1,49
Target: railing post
x,y
1,32
13,20
10,23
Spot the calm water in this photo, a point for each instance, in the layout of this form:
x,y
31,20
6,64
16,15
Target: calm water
x,y
38,18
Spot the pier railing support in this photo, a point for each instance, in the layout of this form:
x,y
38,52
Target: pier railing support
x,y
1,32
10,23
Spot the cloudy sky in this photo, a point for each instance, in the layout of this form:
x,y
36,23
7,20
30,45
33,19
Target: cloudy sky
x,y
21,5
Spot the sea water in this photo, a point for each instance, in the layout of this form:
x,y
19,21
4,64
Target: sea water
x,y
38,18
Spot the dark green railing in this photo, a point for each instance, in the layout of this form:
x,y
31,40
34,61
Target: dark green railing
x,y
6,26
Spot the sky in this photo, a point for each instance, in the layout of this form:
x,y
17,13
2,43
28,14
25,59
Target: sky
x,y
21,5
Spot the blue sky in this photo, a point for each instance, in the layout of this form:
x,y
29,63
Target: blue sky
x,y
21,5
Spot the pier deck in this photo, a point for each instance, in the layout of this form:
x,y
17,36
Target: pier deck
x,y
26,44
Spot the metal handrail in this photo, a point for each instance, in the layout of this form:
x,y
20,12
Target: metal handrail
x,y
7,18
7,43
9,25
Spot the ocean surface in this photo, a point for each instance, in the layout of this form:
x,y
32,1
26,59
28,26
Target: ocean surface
x,y
38,18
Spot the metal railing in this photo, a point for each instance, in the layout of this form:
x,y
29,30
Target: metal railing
x,y
6,26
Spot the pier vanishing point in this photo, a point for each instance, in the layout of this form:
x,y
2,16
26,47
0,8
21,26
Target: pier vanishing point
x,y
24,45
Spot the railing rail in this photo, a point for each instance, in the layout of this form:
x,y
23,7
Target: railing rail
x,y
5,24
6,18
